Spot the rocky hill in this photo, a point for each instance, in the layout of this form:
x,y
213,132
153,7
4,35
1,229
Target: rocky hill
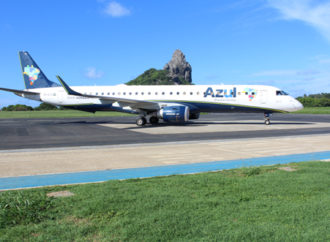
x,y
176,72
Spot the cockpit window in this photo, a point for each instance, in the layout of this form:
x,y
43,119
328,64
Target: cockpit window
x,y
281,93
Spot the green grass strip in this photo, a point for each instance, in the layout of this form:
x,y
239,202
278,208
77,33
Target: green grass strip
x,y
57,114
314,110
250,204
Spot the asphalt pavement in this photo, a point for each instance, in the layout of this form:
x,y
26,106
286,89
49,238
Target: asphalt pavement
x,y
97,131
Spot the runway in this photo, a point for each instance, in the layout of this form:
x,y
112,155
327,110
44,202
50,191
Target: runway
x,y
36,152
73,132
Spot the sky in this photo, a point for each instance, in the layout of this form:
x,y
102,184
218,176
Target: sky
x,y
282,43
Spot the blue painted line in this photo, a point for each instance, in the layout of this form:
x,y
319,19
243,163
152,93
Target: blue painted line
x,y
120,174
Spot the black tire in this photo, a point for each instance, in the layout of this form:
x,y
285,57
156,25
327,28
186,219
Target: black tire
x,y
141,121
153,120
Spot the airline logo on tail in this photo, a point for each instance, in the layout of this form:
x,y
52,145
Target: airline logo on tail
x,y
32,73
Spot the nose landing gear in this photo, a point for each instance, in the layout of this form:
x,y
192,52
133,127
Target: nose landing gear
x,y
267,118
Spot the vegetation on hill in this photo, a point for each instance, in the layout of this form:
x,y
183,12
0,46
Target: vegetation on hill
x,y
156,77
315,100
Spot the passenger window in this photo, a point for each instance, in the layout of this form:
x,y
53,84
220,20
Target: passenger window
x,y
96,94
118,93
197,93
184,93
142,93
102,93
136,93
156,93
171,93
130,93
149,93
113,93
191,93
108,93
124,93
163,93
178,93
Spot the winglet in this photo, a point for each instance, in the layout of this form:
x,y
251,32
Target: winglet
x,y
67,88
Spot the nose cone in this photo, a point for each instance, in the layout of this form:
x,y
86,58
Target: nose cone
x,y
298,105
293,105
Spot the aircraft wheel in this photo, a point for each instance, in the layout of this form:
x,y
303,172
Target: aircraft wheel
x,y
267,122
153,120
141,121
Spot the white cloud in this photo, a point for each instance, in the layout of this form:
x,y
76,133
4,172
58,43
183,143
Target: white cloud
x,y
116,10
311,12
306,72
321,59
92,73
275,73
296,82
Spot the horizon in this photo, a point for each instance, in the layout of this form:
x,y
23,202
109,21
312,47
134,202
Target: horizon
x,y
282,43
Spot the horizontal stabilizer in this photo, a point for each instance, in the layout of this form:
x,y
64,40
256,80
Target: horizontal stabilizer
x,y
17,91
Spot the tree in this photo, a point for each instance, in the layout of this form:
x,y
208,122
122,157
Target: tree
x,y
17,107
46,106
315,100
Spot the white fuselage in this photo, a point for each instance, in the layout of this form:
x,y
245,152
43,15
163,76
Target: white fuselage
x,y
205,98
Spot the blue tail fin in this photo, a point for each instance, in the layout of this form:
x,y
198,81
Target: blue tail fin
x,y
32,74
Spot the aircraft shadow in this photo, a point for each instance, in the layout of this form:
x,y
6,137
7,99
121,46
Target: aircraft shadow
x,y
200,124
92,122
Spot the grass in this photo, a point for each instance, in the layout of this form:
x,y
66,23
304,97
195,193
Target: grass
x,y
314,110
248,204
57,114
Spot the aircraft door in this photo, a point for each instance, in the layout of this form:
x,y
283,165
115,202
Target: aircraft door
x,y
60,97
263,96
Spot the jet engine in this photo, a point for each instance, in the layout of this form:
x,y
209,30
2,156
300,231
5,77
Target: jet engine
x,y
174,114
194,116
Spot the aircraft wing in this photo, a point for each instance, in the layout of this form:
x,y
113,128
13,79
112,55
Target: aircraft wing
x,y
133,103
17,91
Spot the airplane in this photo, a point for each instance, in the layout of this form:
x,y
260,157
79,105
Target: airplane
x,y
171,103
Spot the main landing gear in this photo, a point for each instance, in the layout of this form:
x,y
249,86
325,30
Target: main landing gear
x,y
267,118
141,121
153,120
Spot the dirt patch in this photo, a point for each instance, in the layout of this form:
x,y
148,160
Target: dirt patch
x,y
287,168
60,194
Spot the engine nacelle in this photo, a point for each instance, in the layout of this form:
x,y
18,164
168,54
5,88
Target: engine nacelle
x,y
194,116
174,114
